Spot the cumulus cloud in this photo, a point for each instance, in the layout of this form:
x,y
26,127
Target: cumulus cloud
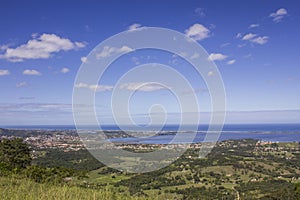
x,y
197,32
108,51
64,70
254,38
41,47
83,59
142,86
249,36
260,40
278,15
4,72
230,62
31,72
98,88
216,56
135,27
21,84
253,25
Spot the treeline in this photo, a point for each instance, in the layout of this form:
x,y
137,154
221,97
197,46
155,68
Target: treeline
x,y
16,160
273,189
78,160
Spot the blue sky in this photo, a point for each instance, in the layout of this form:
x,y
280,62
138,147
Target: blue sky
x,y
253,43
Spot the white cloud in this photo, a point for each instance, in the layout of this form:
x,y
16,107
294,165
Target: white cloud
x,y
21,84
212,26
4,72
225,44
210,73
249,36
216,56
136,60
31,72
83,59
135,27
101,88
197,32
183,54
142,86
253,25
34,35
195,55
278,15
260,40
200,12
41,47
81,85
108,51
34,107
64,70
254,38
98,88
230,62
3,47
239,35
79,44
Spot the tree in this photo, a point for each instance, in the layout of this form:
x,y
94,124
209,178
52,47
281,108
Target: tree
x,y
14,153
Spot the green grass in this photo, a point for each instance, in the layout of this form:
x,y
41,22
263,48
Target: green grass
x,y
25,189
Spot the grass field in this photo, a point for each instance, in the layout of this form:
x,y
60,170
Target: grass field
x,y
25,189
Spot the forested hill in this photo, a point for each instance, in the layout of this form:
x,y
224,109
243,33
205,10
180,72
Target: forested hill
x,y
28,133
8,132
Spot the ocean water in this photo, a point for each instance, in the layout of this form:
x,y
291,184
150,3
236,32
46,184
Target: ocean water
x,y
199,137
226,127
264,132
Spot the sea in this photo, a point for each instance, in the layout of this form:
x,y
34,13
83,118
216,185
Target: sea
x,y
263,132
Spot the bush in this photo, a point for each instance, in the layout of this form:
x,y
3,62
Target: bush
x,y
14,153
43,174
